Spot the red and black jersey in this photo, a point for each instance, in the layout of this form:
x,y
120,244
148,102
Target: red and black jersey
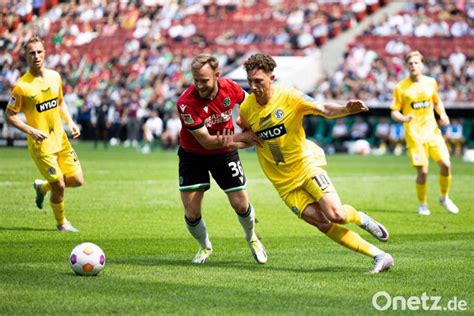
x,y
196,112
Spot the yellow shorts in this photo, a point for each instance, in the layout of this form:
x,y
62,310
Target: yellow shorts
x,y
56,166
420,153
312,190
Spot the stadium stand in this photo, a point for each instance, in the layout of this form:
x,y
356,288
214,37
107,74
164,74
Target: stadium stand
x,y
117,49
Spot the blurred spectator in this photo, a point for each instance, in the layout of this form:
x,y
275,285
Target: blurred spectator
x,y
382,133
152,130
340,134
102,121
359,129
397,137
170,136
454,137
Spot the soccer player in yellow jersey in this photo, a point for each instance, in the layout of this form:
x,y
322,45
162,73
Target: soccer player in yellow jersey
x,y
39,95
413,101
293,164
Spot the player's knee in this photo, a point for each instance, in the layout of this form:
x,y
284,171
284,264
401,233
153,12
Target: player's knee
x,y
445,166
240,207
58,186
336,215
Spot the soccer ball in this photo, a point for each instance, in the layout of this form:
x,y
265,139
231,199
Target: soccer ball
x,y
87,259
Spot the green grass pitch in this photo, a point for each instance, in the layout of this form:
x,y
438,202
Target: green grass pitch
x,y
130,207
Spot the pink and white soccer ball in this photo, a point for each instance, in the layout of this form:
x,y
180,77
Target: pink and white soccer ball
x,y
87,259
361,147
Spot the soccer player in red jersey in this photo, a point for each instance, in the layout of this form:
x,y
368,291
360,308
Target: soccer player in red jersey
x,y
205,111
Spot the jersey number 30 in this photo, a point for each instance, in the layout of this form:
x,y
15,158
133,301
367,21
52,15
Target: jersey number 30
x,y
236,168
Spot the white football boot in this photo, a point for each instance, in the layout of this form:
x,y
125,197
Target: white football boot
x,y
258,251
423,210
39,193
67,227
373,227
202,255
382,262
449,205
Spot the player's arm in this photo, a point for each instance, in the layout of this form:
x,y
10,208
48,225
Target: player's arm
x,y
211,142
397,116
440,109
14,120
66,117
335,110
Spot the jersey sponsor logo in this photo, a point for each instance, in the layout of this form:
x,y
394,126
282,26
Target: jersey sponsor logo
x,y
226,102
187,119
218,118
47,105
182,107
272,132
12,101
279,114
420,105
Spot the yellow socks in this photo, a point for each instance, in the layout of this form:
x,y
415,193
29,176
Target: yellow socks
x,y
352,216
352,240
58,210
444,185
421,192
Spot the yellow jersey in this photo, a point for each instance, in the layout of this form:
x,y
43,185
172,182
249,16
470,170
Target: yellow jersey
x,y
418,99
39,99
286,154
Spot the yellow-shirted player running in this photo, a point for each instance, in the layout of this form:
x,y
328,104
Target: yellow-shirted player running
x,y
39,95
293,164
414,99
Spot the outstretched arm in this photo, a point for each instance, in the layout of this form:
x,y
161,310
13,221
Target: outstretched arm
x,y
211,142
335,110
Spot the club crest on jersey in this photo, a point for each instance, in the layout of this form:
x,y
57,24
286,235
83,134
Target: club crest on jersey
x,y
12,101
226,102
187,119
51,171
47,105
206,109
182,107
55,88
279,114
272,132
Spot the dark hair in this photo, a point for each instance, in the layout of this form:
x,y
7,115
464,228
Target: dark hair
x,y
260,61
202,59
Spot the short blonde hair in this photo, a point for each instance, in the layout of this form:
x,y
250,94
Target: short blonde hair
x,y
412,54
34,39
202,59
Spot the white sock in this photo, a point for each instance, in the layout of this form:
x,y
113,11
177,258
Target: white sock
x,y
198,230
247,221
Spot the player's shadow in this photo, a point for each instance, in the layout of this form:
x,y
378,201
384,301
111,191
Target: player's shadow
x,y
234,264
27,229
